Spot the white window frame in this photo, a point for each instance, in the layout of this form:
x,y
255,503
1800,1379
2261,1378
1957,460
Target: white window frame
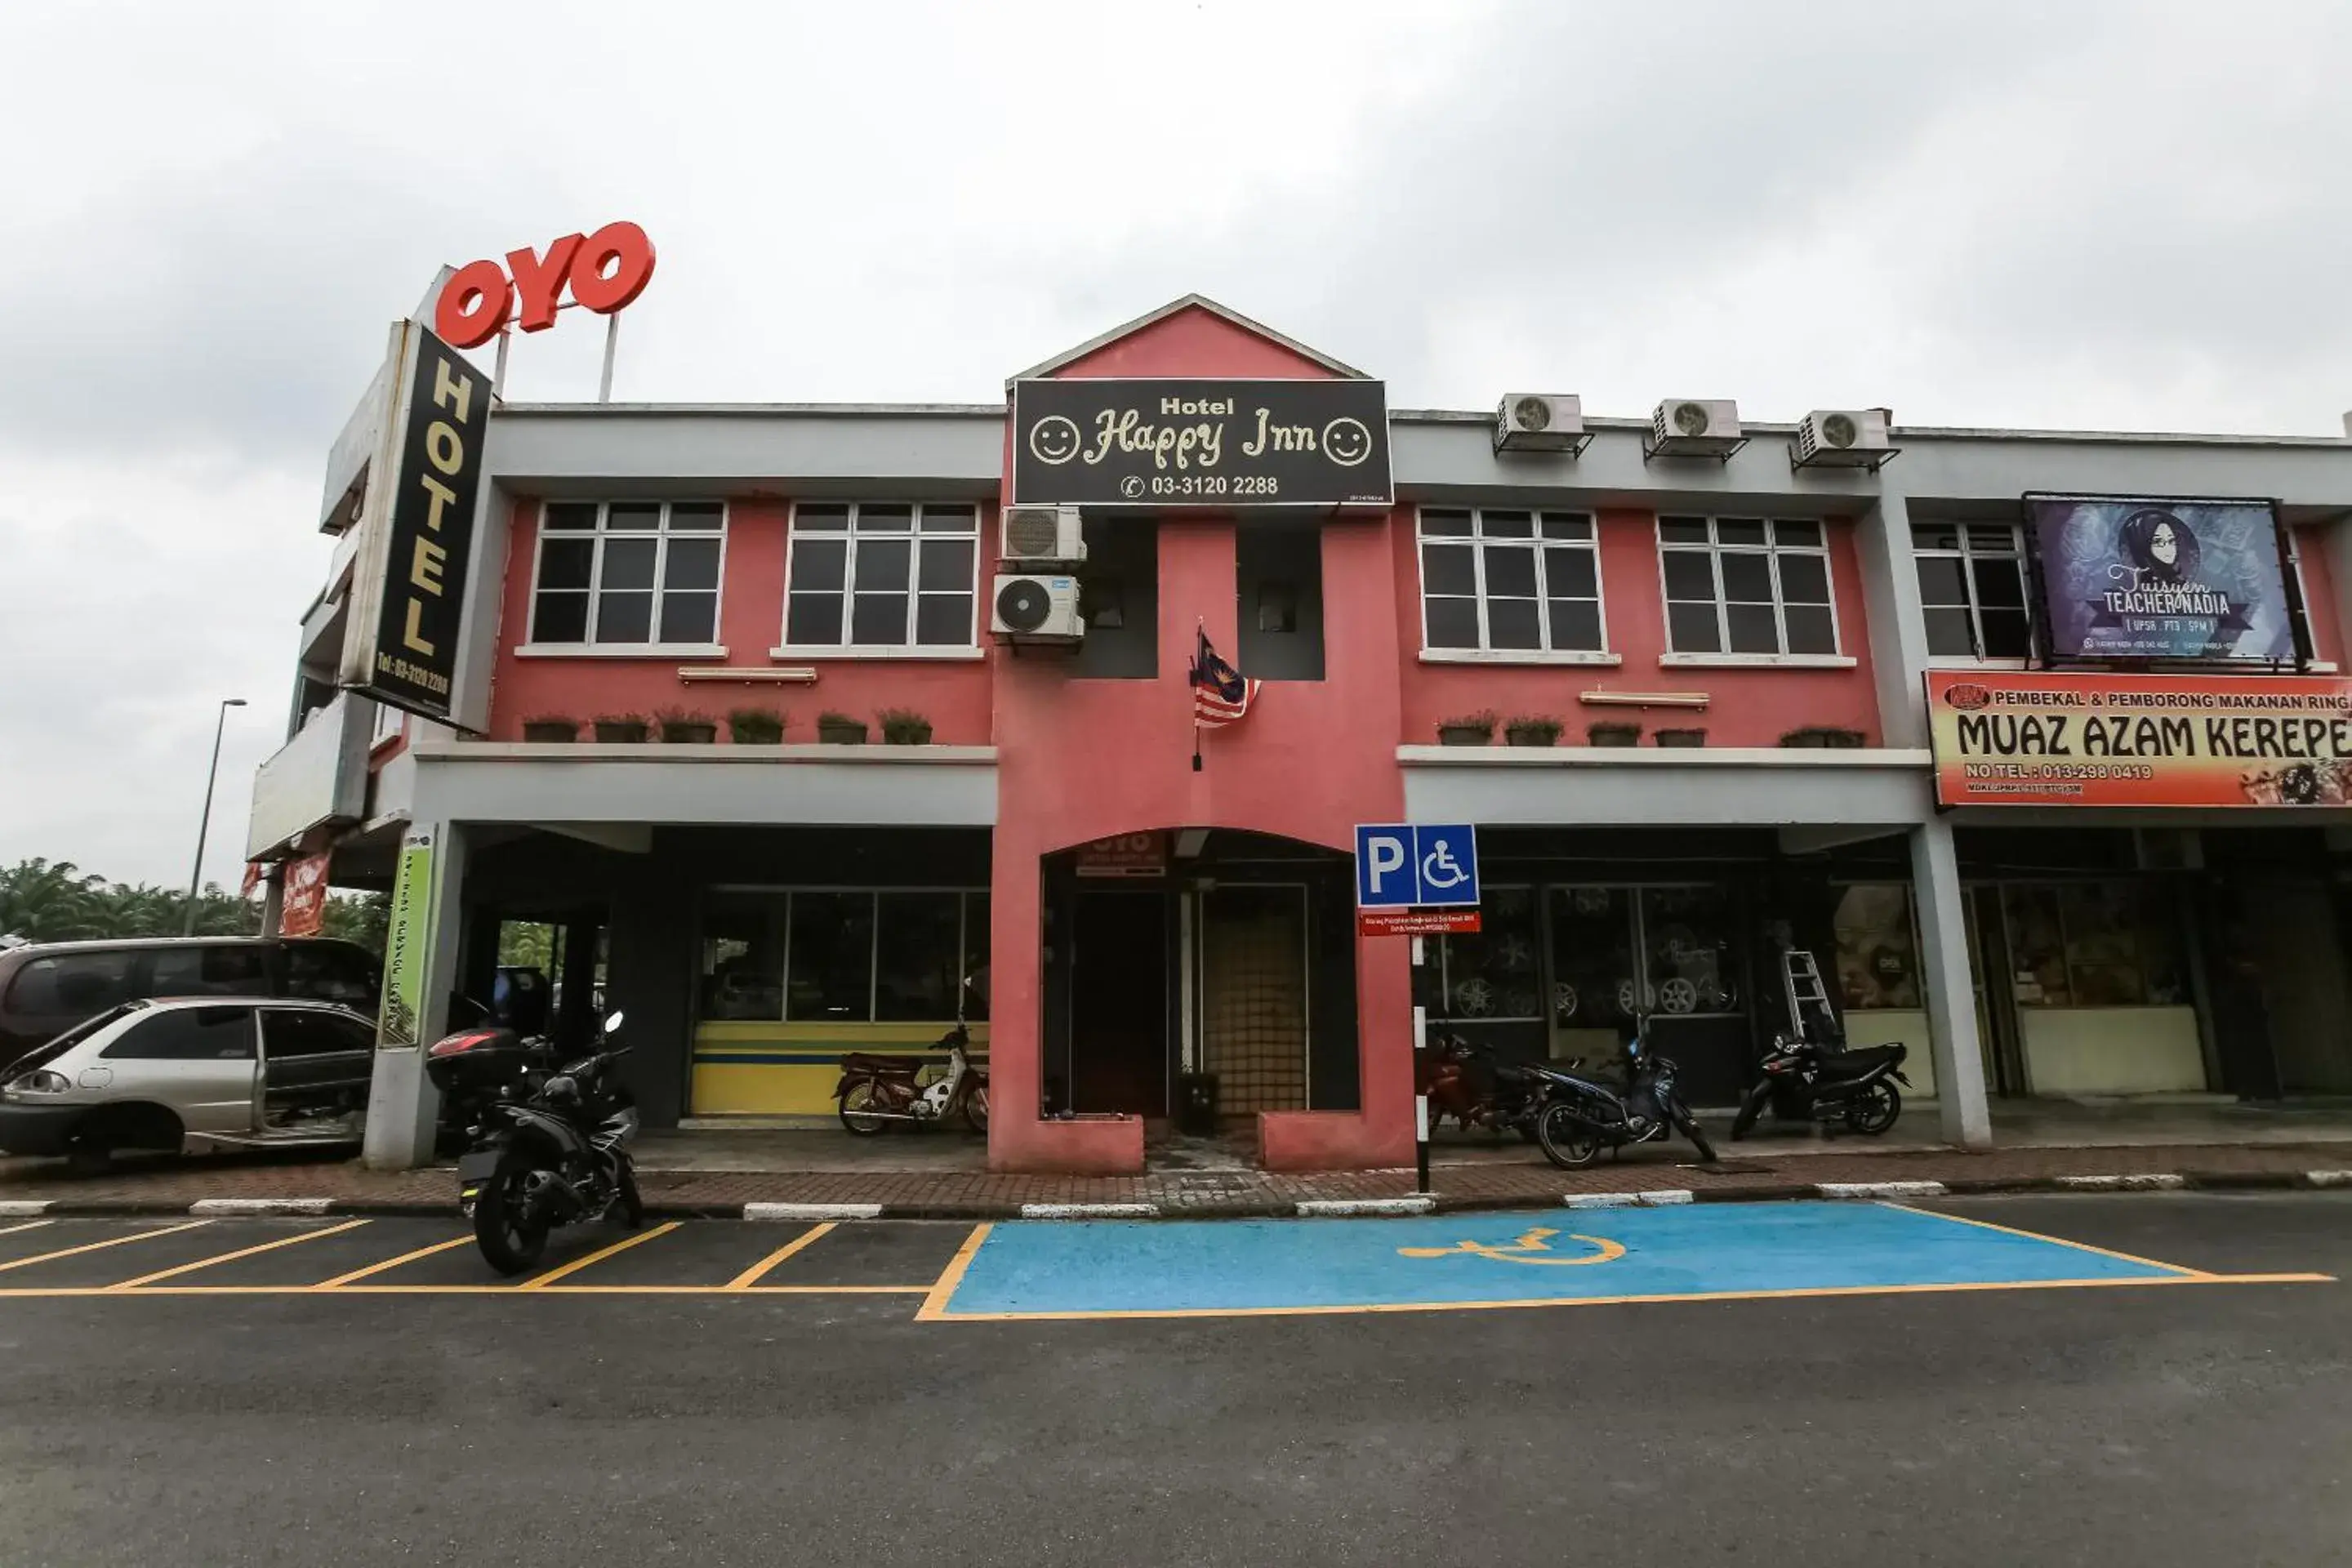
x,y
1476,541
1967,555
1773,549
590,648
969,648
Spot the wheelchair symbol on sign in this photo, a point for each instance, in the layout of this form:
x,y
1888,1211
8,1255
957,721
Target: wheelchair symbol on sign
x,y
1524,1250
1440,869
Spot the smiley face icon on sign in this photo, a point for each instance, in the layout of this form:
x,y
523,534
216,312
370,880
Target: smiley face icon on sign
x,y
1346,441
1054,439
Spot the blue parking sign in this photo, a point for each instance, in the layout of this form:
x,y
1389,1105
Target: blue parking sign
x,y
1404,865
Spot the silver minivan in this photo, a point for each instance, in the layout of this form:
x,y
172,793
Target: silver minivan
x,y
195,1073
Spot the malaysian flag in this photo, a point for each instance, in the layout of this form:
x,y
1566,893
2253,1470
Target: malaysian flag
x,y
1221,695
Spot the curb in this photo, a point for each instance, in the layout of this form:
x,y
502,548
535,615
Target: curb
x,y
1240,1207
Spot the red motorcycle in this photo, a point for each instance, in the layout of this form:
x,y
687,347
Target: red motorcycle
x,y
877,1090
1465,1081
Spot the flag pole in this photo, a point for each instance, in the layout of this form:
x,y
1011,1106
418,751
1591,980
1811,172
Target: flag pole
x,y
1200,631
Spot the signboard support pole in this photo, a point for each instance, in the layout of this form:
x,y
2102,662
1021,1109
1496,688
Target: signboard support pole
x,y
612,345
499,370
1419,1098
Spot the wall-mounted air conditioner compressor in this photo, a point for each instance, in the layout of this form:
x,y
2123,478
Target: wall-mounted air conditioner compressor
x,y
1694,427
1842,438
1540,422
1035,607
1042,536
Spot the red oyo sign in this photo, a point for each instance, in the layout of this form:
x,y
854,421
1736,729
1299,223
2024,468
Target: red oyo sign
x,y
606,270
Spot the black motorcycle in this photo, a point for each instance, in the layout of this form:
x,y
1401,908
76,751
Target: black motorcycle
x,y
1813,1082
1582,1115
547,1148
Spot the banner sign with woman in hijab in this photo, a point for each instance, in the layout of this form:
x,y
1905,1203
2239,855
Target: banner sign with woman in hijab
x,y
2135,577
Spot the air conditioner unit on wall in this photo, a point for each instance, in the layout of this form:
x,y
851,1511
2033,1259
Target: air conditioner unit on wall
x,y
1842,438
1040,607
1540,422
1694,427
1042,535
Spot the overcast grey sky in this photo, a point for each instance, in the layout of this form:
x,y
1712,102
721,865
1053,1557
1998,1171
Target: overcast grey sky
x,y
2126,215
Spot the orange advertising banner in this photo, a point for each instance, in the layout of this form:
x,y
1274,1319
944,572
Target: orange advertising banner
x,y
2019,737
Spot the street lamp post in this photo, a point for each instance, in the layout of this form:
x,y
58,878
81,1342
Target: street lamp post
x,y
204,823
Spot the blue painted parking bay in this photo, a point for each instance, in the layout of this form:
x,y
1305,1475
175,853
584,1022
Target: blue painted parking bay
x,y
1559,1258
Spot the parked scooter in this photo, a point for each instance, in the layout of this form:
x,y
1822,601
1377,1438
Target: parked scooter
x,y
878,1090
1465,1081
548,1149
1582,1116
1826,1084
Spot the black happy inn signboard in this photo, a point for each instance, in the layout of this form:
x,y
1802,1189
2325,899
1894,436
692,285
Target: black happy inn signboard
x,y
1212,442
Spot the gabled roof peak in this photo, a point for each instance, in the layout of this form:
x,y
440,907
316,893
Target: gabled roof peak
x,y
1188,302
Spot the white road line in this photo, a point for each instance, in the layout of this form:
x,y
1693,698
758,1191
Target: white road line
x,y
2145,1182
1089,1211
23,1208
812,1211
1880,1189
2316,1178
1340,1208
259,1205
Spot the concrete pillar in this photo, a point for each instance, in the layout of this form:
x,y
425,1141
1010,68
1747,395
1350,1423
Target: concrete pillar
x,y
421,952
1898,626
1949,991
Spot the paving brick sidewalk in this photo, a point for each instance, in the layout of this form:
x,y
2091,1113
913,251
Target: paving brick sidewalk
x,y
172,1188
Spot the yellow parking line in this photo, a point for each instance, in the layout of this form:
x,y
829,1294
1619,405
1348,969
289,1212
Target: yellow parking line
x,y
2055,1240
241,1252
541,1281
340,1280
943,1289
29,1224
745,1280
37,1292
100,1246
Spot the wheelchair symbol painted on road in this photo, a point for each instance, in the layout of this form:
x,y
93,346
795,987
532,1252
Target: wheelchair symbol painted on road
x,y
1524,1250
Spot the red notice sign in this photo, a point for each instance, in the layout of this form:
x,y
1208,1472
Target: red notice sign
x,y
1414,922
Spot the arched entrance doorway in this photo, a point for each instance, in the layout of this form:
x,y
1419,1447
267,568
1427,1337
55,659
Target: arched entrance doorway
x,y
1201,976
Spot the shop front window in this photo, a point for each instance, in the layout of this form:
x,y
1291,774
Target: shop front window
x,y
845,956
1593,970
1492,974
1686,945
1877,956
2095,944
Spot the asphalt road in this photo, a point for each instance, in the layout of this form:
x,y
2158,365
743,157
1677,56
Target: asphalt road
x,y
2197,1425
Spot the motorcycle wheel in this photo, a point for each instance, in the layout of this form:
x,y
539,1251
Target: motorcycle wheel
x,y
632,1204
1688,1125
511,1243
975,1109
857,1098
1875,1111
1565,1141
1750,1110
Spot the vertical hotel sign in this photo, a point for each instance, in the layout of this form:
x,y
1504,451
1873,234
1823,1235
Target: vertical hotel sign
x,y
417,522
407,935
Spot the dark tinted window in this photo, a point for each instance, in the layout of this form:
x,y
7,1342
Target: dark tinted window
x,y
323,973
239,971
74,985
286,1033
188,1034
